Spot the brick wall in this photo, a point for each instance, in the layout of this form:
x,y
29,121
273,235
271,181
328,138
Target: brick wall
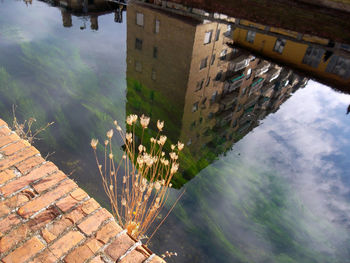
x,y
46,217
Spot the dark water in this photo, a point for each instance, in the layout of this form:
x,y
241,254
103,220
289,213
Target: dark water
x,y
266,167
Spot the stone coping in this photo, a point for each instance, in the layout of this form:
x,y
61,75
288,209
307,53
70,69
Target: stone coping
x,y
45,216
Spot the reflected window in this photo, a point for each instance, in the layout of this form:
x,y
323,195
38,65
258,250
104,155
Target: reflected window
x,y
218,76
313,56
339,66
212,59
138,66
139,19
249,73
207,37
153,75
156,26
223,54
200,85
279,45
250,36
208,81
195,107
217,36
138,44
203,63
155,52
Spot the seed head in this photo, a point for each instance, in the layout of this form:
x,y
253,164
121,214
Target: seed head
x,y
110,134
172,147
128,137
157,186
144,121
180,146
162,140
111,156
174,168
173,156
160,125
106,142
94,143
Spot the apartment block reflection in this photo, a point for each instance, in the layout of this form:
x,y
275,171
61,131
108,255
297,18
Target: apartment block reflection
x,y
187,72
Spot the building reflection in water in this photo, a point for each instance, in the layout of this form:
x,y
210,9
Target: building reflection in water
x,y
186,71
88,9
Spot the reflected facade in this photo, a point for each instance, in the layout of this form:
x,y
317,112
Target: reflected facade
x,y
188,72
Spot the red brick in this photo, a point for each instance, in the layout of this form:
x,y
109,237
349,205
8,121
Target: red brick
x,y
23,253
135,256
89,206
2,123
4,131
71,200
18,200
49,181
75,215
4,209
23,181
14,147
15,236
8,222
65,243
44,257
43,218
16,158
6,175
119,246
54,230
39,203
27,165
97,260
4,140
82,253
93,222
108,231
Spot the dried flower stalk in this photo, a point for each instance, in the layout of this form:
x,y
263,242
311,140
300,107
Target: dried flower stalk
x,y
139,193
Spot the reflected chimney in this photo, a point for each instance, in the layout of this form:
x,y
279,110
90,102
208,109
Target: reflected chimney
x,y
66,18
94,22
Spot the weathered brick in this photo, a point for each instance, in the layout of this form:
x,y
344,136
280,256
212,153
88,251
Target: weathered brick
x,y
14,147
92,223
54,230
65,243
16,158
4,131
6,175
16,235
8,222
89,206
71,200
4,140
18,199
82,253
49,181
37,204
47,235
135,256
4,209
119,246
27,165
75,215
108,231
2,123
44,257
23,181
43,218
26,251
97,260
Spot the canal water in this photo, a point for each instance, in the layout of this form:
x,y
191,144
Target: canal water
x,y
265,166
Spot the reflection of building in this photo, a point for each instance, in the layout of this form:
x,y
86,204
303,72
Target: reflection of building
x,y
89,8
321,57
186,72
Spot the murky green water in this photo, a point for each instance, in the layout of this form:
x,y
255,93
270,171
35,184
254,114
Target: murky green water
x,y
266,176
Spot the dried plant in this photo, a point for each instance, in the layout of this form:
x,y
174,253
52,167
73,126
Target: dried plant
x,y
25,130
138,193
